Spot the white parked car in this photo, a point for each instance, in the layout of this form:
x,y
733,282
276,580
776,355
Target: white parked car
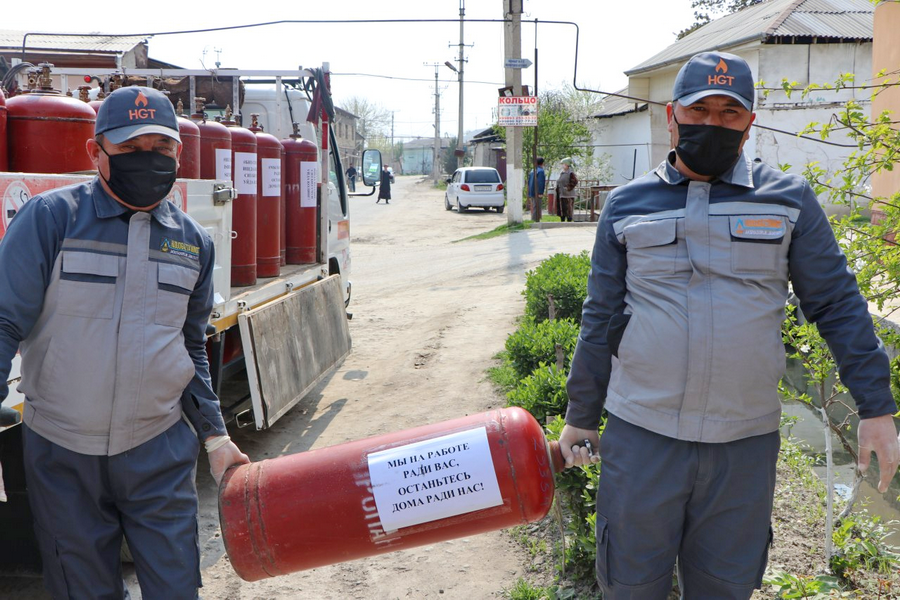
x,y
475,186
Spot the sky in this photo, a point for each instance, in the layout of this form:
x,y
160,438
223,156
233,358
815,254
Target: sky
x,y
391,64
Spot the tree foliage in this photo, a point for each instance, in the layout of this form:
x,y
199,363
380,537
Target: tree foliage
x,y
374,121
707,10
565,130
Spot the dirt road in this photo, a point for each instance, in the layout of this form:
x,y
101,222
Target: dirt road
x,y
428,316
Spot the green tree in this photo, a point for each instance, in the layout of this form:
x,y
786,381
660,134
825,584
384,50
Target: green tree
x,y
707,10
565,129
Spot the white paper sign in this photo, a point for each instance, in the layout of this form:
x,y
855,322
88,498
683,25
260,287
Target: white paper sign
x,y
435,479
223,163
271,176
245,172
309,176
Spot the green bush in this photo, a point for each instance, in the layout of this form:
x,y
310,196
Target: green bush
x,y
563,276
543,393
576,490
534,343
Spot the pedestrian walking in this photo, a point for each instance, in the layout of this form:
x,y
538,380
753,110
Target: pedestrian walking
x,y
106,290
536,191
566,185
681,344
351,177
384,190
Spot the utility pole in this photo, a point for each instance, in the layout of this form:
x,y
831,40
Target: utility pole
x,y
512,44
393,154
435,163
458,151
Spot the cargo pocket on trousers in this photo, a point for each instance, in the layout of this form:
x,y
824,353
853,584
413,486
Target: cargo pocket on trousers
x,y
54,574
765,560
601,563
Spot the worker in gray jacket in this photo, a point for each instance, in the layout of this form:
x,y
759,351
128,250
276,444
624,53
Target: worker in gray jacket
x,y
681,344
106,290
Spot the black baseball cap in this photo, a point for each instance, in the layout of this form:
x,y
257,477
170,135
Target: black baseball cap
x,y
135,110
711,73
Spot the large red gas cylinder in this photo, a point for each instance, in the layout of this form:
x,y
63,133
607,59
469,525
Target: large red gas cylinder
x,y
47,132
4,157
215,146
243,215
189,161
385,493
269,201
301,168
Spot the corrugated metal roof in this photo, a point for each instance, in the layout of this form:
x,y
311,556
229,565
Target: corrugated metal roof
x,y
81,42
839,19
614,105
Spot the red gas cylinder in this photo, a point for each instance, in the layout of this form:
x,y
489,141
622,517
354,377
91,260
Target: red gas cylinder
x,y
269,201
390,492
215,146
189,132
243,219
47,132
4,157
301,168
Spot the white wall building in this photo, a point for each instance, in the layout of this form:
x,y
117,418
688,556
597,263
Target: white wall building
x,y
805,41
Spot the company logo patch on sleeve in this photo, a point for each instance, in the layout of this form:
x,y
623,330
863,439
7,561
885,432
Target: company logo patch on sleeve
x,y
757,227
179,248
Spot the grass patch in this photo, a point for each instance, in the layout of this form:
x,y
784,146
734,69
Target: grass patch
x,y
501,230
522,590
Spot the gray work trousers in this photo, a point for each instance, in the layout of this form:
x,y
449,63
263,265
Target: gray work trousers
x,y
707,505
83,505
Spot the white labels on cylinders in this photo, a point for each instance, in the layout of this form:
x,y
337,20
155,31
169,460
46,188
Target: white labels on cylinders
x,y
245,172
271,176
223,163
309,176
435,479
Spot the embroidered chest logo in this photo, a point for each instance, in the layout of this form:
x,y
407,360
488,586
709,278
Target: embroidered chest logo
x,y
179,248
765,228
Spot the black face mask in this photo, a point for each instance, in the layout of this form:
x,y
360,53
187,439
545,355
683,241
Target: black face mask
x,y
141,179
708,150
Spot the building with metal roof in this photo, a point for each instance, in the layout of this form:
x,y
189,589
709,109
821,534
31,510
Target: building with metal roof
x,y
798,41
88,50
773,22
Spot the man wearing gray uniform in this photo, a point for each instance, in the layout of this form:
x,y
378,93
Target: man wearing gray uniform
x,y
681,344
106,290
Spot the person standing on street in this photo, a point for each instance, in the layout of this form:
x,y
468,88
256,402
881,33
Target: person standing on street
x,y
351,177
384,190
536,194
681,344
106,290
565,191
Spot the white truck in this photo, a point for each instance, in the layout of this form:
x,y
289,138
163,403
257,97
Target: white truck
x,y
268,344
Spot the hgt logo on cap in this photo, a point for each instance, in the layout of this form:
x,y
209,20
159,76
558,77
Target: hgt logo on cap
x,y
141,113
721,78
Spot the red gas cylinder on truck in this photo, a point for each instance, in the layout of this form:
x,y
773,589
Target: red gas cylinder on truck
x,y
215,145
269,201
189,162
301,188
4,157
243,220
46,131
385,493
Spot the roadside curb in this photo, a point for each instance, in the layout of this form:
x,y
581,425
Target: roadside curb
x,y
559,225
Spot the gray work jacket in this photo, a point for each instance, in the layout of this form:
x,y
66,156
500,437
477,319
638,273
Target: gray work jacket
x,y
681,328
109,311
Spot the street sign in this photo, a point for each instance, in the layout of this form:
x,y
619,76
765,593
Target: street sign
x,y
517,63
517,111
